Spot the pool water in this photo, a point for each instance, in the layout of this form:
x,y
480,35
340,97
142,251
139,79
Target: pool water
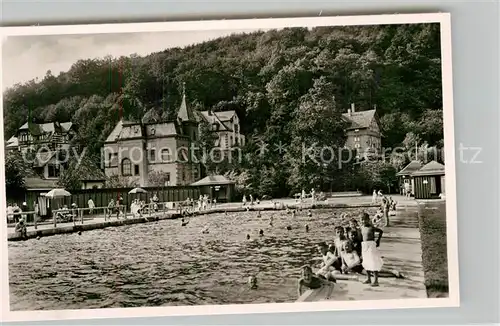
x,y
164,263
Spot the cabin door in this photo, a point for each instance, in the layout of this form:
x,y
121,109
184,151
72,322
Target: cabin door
x,y
42,205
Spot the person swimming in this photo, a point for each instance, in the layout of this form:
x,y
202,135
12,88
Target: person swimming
x,y
248,236
310,281
261,232
252,282
307,228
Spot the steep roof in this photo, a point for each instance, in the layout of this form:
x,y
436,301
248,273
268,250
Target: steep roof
x,y
410,168
49,127
431,168
113,136
39,184
42,158
225,115
359,119
213,117
12,142
185,112
90,172
213,180
126,130
161,129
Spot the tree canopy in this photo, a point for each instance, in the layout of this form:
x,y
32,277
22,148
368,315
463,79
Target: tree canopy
x,y
288,86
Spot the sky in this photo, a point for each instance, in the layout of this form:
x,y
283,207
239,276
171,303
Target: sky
x,y
28,57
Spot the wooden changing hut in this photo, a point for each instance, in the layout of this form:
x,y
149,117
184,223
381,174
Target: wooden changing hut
x,y
216,187
429,181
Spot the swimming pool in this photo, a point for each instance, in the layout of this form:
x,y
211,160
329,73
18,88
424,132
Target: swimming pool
x,y
164,263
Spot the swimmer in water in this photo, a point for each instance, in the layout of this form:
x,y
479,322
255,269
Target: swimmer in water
x,y
309,213
261,232
310,281
248,236
307,228
252,282
289,228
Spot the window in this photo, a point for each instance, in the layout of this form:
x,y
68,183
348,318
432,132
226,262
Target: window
x,y
237,128
357,146
53,171
126,167
136,169
226,141
152,155
183,175
165,155
112,160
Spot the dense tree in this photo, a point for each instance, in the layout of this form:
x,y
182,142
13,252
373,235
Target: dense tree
x,y
14,171
288,87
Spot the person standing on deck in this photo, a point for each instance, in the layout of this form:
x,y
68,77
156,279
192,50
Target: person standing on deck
x,y
372,260
244,200
385,209
91,206
10,213
374,196
312,196
24,209
109,210
36,215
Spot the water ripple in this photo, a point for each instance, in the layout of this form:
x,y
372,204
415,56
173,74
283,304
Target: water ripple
x,y
164,263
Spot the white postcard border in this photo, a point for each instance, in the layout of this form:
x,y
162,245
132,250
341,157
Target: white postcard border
x,y
451,206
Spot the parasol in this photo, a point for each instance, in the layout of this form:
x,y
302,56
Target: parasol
x,y
137,191
57,193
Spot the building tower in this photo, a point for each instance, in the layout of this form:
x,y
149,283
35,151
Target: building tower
x,y
189,125
187,118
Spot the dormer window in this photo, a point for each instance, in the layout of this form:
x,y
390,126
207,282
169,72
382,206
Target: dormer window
x,y
153,131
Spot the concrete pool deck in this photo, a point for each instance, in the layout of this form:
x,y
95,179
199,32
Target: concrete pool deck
x,y
402,251
98,222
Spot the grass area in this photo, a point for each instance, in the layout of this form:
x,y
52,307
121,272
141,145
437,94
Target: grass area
x,y
432,224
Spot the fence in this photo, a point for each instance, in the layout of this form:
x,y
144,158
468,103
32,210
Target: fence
x,y
79,215
102,197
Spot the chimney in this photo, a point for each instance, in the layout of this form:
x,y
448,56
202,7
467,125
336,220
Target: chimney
x,y
352,108
349,112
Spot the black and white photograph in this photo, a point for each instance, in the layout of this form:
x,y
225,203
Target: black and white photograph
x,y
228,166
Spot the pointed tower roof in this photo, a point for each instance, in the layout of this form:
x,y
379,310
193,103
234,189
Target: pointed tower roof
x,y
185,112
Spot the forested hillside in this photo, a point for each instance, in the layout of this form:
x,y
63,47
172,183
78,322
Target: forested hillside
x,y
288,86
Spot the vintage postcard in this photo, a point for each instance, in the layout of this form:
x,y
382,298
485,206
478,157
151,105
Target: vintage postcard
x,y
228,166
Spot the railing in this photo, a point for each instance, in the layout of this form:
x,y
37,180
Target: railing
x,y
79,215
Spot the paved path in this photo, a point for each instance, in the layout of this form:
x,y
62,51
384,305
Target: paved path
x,y
401,249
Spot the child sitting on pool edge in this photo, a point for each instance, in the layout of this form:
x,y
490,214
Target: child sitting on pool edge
x,y
331,262
310,281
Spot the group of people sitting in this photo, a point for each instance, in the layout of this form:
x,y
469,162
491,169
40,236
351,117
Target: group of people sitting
x,y
354,250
